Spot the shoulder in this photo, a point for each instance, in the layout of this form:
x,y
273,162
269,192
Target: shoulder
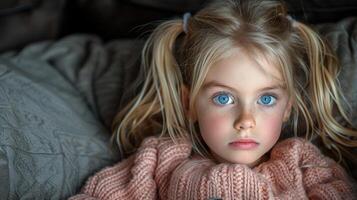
x,y
295,144
165,144
301,152
298,149
163,151
154,159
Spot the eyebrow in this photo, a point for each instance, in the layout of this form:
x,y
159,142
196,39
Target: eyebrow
x,y
217,84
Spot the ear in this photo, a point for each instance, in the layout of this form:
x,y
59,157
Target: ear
x,y
185,99
288,110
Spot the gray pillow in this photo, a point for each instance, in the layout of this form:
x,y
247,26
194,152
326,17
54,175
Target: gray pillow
x,y
51,139
342,37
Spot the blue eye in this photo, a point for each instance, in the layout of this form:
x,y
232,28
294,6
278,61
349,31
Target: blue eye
x,y
267,100
223,99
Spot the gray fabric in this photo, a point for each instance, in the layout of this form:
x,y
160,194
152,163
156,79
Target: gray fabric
x,y
343,39
121,78
51,138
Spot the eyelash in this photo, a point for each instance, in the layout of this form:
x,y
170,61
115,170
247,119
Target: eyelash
x,y
215,100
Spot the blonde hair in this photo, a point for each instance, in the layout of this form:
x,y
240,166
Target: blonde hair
x,y
173,59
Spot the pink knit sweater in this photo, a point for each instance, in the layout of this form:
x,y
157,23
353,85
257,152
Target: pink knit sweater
x,y
162,169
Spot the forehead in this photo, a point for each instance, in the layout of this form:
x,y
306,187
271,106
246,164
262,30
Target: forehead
x,y
241,67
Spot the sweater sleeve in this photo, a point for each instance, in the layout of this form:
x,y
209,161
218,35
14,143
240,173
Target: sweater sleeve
x,y
121,180
206,180
287,175
323,178
298,168
203,179
138,176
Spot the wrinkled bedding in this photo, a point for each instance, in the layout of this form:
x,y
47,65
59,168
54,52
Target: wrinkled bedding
x,y
58,98
55,101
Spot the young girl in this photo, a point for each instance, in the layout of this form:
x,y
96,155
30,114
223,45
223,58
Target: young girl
x,y
220,87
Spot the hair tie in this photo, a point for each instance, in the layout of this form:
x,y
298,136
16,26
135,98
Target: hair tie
x,y
292,20
186,16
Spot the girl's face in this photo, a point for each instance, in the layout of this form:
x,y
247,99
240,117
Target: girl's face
x,y
241,108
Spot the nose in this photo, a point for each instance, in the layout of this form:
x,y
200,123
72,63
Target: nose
x,y
245,121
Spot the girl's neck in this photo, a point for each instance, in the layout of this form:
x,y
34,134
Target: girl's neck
x,y
262,159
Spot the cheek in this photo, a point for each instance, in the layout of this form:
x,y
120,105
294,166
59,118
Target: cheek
x,y
213,124
271,125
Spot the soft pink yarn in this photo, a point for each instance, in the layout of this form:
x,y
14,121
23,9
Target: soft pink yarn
x,y
162,169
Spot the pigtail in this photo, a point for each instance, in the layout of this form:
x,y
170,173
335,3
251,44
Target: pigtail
x,y
325,97
157,109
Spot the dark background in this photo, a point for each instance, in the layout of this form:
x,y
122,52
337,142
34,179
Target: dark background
x,y
26,21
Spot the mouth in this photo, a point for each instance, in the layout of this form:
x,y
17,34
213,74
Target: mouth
x,y
244,144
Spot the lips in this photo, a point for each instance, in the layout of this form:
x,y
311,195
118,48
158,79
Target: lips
x,y
244,144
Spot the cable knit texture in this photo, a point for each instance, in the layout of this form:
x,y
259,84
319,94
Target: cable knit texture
x,y
162,169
